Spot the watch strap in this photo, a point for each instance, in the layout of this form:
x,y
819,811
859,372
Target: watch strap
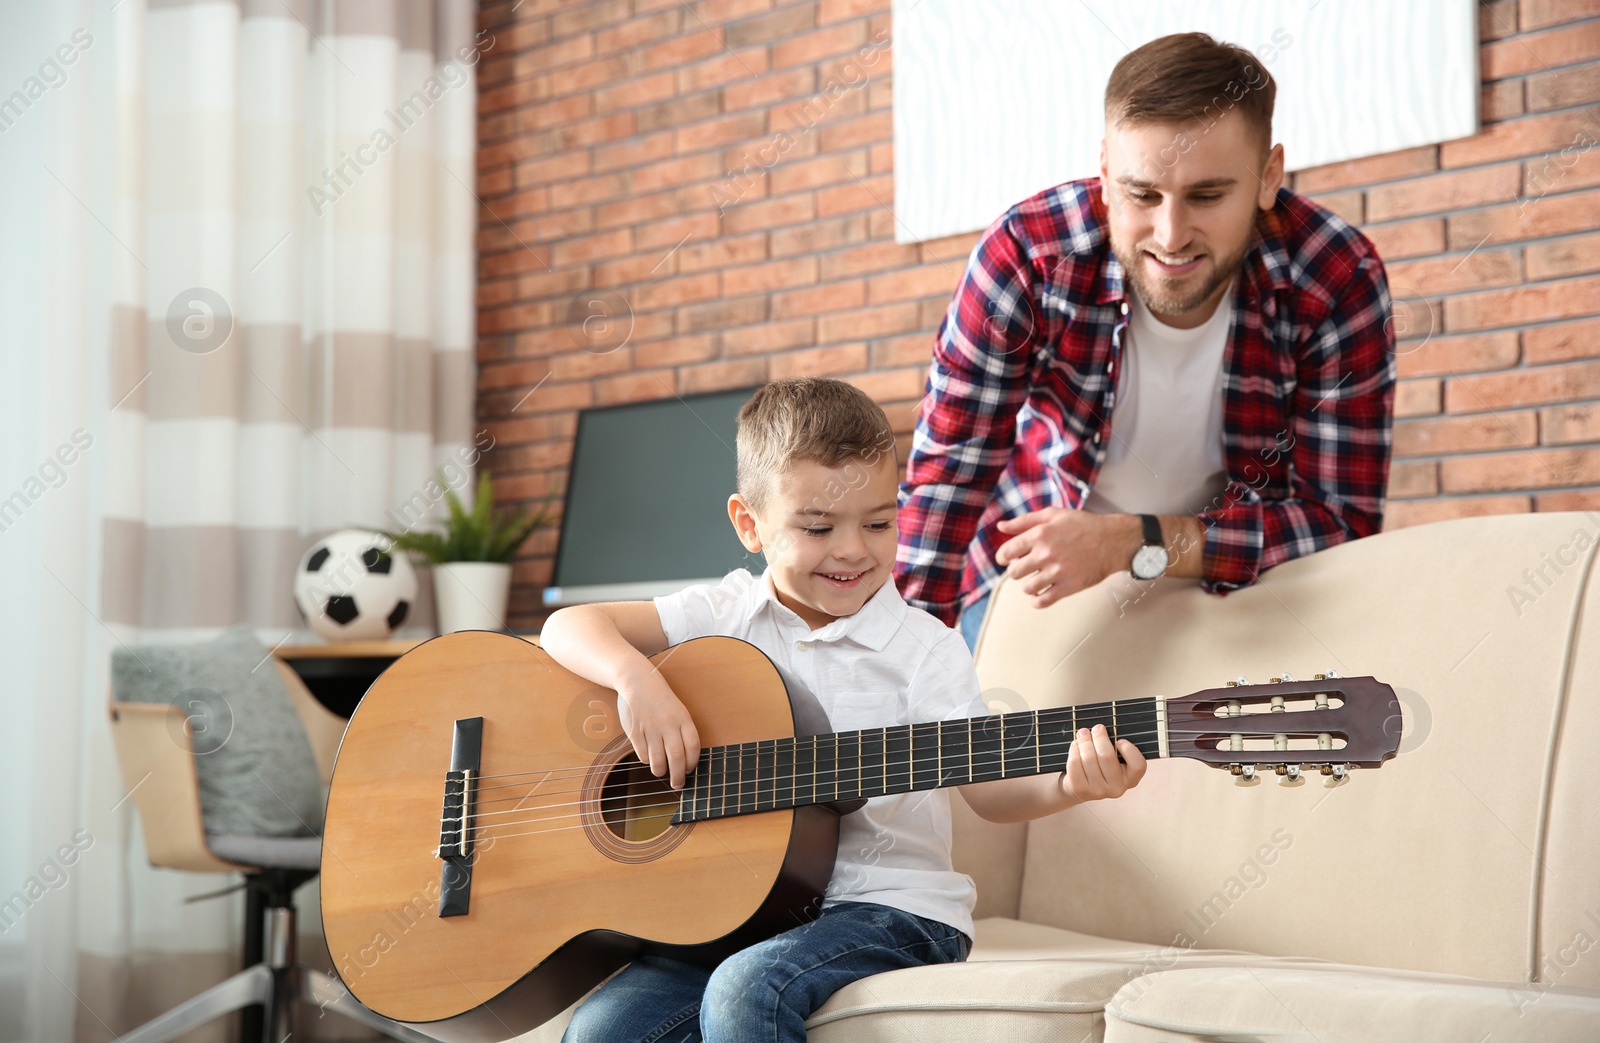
x,y
1152,529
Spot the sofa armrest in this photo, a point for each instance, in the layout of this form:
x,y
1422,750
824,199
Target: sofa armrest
x,y
156,757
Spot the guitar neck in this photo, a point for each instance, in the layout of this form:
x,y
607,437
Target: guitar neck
x,y
772,774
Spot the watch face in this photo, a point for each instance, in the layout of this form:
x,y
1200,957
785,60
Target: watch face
x,y
1149,561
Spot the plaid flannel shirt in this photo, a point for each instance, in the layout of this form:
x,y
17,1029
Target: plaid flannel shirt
x,y
1017,414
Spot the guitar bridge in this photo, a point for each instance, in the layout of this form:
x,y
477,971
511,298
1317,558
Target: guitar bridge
x,y
458,819
454,838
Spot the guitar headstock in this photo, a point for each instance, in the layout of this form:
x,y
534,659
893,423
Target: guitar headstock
x,y
1329,723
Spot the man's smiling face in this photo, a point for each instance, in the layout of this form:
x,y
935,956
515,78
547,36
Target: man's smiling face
x,y
1182,202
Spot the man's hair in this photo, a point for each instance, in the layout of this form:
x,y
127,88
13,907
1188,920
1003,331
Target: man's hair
x,y
1188,77
806,419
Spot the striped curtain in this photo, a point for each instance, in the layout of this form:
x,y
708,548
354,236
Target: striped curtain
x,y
255,323
293,325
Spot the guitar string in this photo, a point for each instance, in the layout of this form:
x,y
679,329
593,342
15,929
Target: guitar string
x,y
584,771
909,773
1050,712
1055,710
1055,744
648,800
556,773
482,832
588,770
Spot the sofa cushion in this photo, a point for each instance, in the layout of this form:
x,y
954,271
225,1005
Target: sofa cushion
x,y
1429,863
1342,1005
1023,982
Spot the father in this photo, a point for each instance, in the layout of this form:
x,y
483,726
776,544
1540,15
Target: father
x,y
1178,368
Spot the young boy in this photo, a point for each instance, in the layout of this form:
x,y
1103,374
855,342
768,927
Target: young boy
x,y
817,482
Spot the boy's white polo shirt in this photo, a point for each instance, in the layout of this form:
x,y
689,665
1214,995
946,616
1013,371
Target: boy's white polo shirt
x,y
888,664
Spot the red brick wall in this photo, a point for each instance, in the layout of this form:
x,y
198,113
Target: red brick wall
x,y
612,133
1493,249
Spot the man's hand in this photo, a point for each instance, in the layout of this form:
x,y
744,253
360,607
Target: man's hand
x,y
658,725
1093,771
1059,551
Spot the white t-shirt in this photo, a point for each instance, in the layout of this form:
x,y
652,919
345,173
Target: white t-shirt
x,y
1165,453
888,664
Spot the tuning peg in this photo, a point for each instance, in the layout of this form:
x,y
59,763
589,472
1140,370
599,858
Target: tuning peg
x,y
1338,771
1290,771
1246,770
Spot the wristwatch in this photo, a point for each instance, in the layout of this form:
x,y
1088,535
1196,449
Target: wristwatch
x,y
1151,560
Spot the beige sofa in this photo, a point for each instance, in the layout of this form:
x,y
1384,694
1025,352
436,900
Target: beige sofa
x,y
1453,894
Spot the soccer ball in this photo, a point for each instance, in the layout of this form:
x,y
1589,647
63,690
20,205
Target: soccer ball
x,y
350,587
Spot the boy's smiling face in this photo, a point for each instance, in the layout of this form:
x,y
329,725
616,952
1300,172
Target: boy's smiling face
x,y
828,534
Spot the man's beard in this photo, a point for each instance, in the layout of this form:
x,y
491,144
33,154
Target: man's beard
x,y
1159,295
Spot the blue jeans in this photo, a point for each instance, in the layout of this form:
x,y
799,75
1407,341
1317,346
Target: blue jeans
x,y
762,994
972,619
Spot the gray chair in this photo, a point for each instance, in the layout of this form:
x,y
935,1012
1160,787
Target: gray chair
x,y
165,747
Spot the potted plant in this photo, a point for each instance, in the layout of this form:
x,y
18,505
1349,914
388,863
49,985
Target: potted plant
x,y
471,557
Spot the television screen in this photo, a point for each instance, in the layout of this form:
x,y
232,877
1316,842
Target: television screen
x,y
646,506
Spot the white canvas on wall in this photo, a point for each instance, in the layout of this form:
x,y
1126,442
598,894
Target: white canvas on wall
x,y
995,100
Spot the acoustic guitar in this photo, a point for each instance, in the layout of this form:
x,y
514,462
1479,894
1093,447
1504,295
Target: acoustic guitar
x,y
493,849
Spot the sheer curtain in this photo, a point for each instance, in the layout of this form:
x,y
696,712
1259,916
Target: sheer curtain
x,y
238,313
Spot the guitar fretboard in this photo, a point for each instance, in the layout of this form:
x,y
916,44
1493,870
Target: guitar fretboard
x,y
743,778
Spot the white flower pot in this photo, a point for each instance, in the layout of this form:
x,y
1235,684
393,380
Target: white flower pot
x,y
471,595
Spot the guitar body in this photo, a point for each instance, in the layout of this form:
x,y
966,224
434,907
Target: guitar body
x,y
575,871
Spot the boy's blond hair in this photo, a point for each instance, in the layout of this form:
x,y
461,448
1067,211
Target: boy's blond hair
x,y
806,419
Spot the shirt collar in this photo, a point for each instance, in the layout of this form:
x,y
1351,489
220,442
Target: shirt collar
x,y
878,621
1265,265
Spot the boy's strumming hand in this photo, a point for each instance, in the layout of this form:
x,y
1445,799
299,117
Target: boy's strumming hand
x,y
659,726
1093,770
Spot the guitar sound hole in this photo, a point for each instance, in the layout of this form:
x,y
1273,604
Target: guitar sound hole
x,y
634,804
